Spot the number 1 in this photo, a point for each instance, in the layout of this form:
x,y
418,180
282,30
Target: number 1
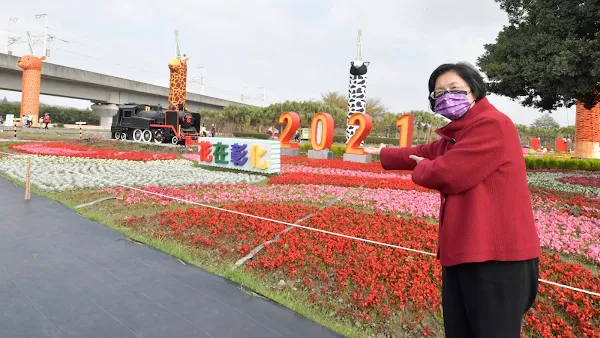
x,y
406,123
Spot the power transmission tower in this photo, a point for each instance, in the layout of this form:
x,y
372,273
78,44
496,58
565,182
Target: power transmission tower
x,y
243,95
11,40
200,79
263,96
45,16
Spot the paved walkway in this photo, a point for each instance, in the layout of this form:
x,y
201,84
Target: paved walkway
x,y
62,275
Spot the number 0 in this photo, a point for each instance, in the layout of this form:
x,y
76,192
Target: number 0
x,y
292,122
406,123
321,131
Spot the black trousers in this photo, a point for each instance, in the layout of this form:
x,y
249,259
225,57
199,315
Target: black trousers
x,y
488,299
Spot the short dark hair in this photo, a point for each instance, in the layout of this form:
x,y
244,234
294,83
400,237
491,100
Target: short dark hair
x,y
466,72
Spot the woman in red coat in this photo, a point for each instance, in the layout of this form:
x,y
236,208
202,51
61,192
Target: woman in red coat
x,y
487,243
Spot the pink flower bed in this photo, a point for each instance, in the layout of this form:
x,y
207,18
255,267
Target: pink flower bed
x,y
72,150
290,168
415,203
191,157
561,231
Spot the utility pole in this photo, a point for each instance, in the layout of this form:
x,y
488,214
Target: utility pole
x,y
45,16
245,96
9,40
201,80
263,97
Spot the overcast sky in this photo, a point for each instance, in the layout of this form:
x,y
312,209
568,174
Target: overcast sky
x,y
296,49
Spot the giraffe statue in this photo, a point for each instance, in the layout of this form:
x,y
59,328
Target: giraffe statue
x,y
357,95
587,131
30,90
178,80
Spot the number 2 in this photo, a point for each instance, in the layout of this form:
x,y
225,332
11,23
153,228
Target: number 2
x,y
406,123
292,122
364,123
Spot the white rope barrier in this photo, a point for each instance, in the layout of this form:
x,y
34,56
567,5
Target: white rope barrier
x,y
295,225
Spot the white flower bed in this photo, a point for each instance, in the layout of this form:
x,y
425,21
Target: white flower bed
x,y
50,173
550,180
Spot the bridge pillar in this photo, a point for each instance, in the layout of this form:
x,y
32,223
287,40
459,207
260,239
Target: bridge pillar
x,y
105,112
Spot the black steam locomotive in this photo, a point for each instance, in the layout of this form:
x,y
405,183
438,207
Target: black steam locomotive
x,y
145,123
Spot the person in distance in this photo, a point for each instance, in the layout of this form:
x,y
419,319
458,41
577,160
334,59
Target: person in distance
x,y
487,241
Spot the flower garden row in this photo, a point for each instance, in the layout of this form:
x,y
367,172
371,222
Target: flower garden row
x,y
355,281
365,282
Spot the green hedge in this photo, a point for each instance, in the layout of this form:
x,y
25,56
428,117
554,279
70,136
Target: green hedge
x,y
568,164
252,135
368,140
337,149
63,115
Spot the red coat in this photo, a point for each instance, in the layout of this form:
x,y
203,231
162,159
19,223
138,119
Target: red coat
x,y
478,167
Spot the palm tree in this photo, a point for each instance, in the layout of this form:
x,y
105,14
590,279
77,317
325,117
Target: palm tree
x,y
335,99
375,107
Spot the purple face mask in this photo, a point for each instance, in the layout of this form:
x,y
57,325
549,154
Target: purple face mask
x,y
453,105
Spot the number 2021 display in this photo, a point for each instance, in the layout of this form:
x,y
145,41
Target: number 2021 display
x,y
322,129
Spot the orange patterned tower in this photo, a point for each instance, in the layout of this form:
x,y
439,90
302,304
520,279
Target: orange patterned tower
x,y
178,81
587,132
30,91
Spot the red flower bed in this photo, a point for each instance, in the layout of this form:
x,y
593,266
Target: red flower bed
x,y
73,150
582,180
338,163
562,312
358,280
346,181
229,233
366,282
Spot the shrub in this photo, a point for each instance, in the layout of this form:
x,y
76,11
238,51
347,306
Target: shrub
x,y
252,135
369,140
566,164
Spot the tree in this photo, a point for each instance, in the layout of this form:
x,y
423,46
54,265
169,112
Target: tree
x,y
335,99
547,57
546,128
545,122
375,107
523,130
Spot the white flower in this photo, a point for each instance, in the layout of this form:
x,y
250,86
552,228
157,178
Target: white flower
x,y
65,173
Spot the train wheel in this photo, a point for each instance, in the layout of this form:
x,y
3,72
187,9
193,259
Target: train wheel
x,y
174,140
137,135
117,135
159,136
146,135
123,136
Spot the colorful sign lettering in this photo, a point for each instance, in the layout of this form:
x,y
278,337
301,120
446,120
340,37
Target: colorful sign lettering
x,y
364,123
406,123
292,123
250,155
321,133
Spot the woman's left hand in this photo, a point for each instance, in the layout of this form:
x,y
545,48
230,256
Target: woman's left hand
x,y
416,158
